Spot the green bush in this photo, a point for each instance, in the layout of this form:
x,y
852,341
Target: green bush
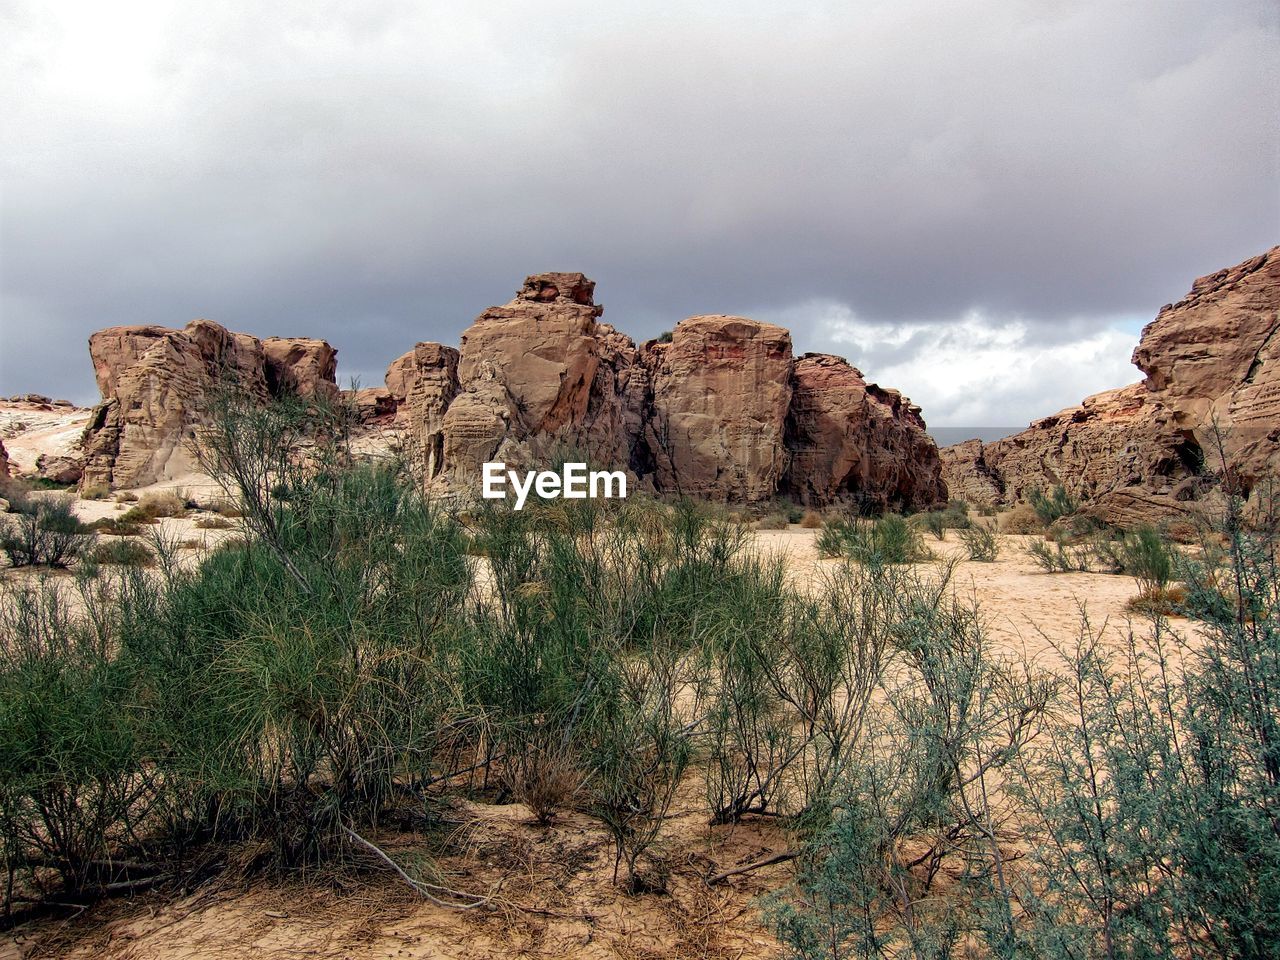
x,y
890,539
1052,506
45,532
981,542
125,553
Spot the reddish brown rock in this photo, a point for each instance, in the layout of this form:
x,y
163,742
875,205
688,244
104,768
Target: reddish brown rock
x,y
1149,450
721,389
526,376
722,411
4,462
424,382
968,476
850,440
154,382
63,470
301,366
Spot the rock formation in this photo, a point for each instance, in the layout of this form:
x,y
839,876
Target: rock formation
x,y
850,439
722,411
154,381
1146,451
721,389
4,462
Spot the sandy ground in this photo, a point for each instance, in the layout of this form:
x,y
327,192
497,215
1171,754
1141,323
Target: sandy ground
x,y
552,888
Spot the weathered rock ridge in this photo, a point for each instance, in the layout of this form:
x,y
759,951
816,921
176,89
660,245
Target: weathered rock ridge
x,y
722,411
1212,366
154,381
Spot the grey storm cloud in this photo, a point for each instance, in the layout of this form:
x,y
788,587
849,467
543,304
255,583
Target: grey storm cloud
x,y
378,173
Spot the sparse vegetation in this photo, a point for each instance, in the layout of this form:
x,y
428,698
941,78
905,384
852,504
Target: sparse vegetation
x,y
981,542
43,531
1054,505
343,664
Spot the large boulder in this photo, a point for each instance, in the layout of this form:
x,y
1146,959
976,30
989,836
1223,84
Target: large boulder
x,y
540,379
851,440
155,382
721,390
1152,449
301,366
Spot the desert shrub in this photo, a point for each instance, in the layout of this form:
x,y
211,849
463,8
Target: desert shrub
x,y
95,491
890,539
811,520
981,542
116,527
1055,557
125,553
934,522
774,521
126,496
938,522
638,750
913,803
1020,519
214,523
1182,531
1157,792
665,336
1054,505
153,506
71,787
1147,557
791,510
45,533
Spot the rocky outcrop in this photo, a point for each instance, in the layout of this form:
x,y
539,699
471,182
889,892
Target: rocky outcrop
x,y
154,382
1149,450
722,411
968,476
422,383
4,462
721,389
848,439
301,366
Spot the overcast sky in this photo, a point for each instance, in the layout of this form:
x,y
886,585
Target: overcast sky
x,y
978,203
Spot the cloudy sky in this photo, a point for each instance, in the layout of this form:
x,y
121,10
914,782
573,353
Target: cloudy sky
x,y
979,203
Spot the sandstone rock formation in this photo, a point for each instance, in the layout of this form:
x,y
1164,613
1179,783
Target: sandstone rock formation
x,y
721,389
154,381
1146,451
850,439
4,462
301,366
723,411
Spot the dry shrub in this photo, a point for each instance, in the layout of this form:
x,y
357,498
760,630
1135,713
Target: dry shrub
x,y
126,496
774,521
1022,518
94,491
153,506
812,520
546,781
214,523
1158,601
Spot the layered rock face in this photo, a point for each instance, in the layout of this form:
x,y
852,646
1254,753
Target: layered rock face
x,y
154,381
1212,365
848,439
722,411
721,389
